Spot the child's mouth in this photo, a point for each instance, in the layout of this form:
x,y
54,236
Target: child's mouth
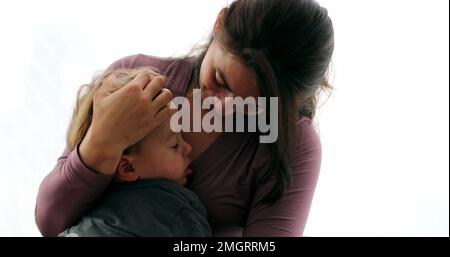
x,y
188,171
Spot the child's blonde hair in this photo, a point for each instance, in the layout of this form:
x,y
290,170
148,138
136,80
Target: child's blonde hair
x,y
84,106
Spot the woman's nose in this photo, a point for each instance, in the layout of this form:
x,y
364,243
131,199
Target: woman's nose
x,y
186,148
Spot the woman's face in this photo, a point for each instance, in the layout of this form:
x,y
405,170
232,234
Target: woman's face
x,y
222,74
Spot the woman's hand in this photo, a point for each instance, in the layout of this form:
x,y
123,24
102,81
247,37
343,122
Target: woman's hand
x,y
122,116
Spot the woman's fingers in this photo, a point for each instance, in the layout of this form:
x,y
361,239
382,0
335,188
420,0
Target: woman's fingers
x,y
154,87
163,99
149,71
145,79
110,83
141,80
163,114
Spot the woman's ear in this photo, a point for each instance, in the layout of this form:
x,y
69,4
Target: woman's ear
x,y
125,171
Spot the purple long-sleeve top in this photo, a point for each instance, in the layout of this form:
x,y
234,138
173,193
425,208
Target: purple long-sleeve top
x,y
224,176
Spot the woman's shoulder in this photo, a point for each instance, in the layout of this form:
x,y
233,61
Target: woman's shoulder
x,y
307,138
306,128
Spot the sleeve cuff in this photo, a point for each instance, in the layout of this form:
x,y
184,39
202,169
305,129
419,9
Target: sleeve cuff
x,y
87,175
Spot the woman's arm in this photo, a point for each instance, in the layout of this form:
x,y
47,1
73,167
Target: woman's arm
x,y
288,216
66,193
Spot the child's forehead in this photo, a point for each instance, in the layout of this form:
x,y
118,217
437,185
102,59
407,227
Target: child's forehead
x,y
163,131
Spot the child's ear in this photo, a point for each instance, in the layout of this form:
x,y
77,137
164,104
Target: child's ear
x,y
125,171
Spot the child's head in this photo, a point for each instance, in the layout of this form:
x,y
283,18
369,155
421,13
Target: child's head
x,y
160,154
84,107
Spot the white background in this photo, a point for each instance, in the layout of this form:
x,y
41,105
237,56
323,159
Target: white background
x,y
385,169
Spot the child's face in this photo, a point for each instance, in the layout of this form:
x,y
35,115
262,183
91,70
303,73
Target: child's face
x,y
161,154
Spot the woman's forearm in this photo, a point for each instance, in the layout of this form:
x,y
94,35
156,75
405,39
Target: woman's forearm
x,y
67,193
99,156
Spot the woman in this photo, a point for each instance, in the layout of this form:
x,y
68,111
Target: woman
x,y
271,48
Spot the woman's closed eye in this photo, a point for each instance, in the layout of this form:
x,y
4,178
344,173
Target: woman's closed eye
x,y
220,82
217,80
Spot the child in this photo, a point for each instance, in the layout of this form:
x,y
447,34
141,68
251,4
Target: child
x,y
147,197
